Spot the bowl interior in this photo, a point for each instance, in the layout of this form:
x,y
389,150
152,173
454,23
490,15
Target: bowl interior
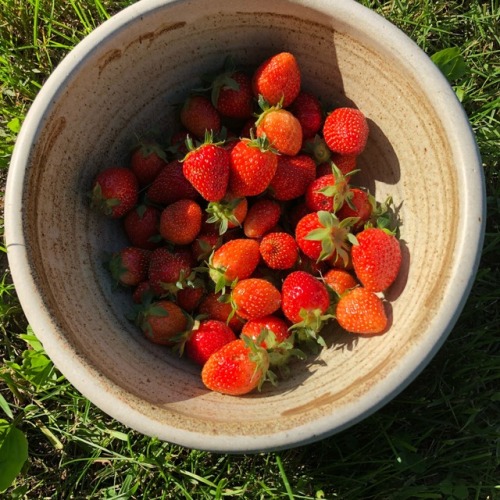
x,y
127,79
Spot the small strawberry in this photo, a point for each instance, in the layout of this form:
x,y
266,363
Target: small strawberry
x,y
255,297
170,186
339,280
232,94
115,191
228,213
129,266
198,116
327,192
281,128
280,329
142,293
214,306
206,337
141,225
204,244
278,79
279,250
162,321
168,271
376,258
253,165
307,109
361,311
235,260
358,204
237,368
305,302
207,168
293,175
346,131
147,161
180,222
262,216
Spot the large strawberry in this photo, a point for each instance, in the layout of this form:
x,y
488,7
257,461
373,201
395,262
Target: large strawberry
x,y
237,368
278,79
207,168
129,266
346,131
115,191
305,302
293,175
180,222
253,165
198,116
147,160
262,216
361,311
376,258
255,297
141,225
168,271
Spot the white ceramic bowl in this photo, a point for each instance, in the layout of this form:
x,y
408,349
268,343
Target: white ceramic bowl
x,y
125,76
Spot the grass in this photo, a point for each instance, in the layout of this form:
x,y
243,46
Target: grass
x,y
439,439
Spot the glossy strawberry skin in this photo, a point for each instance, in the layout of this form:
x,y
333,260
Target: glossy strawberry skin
x,y
282,130
293,175
180,222
141,225
167,268
346,131
262,216
308,223
279,250
199,115
339,280
361,311
235,100
255,297
162,321
147,161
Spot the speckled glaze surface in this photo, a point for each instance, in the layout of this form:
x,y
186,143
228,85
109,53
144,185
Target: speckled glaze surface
x,y
128,75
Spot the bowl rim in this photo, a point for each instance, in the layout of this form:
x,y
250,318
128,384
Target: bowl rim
x,y
87,381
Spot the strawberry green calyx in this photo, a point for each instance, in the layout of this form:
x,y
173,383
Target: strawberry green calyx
x,y
266,108
261,143
223,213
260,357
335,236
384,215
147,147
318,150
311,325
339,190
100,203
208,139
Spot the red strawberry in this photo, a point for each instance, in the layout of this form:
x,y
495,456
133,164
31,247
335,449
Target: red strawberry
x,y
228,213
255,297
253,328
345,163
232,94
115,191
237,368
346,131
262,216
361,311
358,204
278,79
168,271
235,259
147,161
207,169
305,302
142,293
282,130
292,177
141,226
180,222
320,235
206,338
129,266
339,280
327,192
376,258
170,186
189,298
198,116
307,109
204,244
253,165
162,321
214,306
279,250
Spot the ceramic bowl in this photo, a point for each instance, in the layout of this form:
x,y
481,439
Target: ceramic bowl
x,y
128,75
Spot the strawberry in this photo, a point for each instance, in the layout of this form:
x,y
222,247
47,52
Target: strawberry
x,y
262,216
178,144
189,298
142,293
147,161
237,368
232,94
305,302
277,79
279,250
207,168
321,236
292,177
129,266
214,306
339,280
162,321
358,204
255,297
198,115
361,311
312,266
253,328
281,128
168,271
376,258
307,109
170,186
204,244
141,225
207,337
180,222
235,259
228,213
253,165
115,191
345,163
326,193
346,131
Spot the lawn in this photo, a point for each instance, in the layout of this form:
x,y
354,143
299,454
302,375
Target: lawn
x,y
439,439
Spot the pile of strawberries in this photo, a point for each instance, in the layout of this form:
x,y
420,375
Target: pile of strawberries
x,y
246,234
